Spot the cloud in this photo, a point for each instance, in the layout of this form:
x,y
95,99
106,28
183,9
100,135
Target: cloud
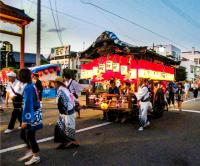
x,y
55,30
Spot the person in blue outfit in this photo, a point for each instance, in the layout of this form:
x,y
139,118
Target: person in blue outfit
x,y
31,118
65,127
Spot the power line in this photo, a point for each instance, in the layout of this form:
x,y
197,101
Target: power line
x,y
71,16
123,34
55,23
132,22
181,13
60,32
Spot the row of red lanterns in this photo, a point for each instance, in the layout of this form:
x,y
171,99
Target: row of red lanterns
x,y
47,71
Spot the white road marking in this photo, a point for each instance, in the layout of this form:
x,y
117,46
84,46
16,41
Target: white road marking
x,y
194,111
81,130
191,100
191,111
51,138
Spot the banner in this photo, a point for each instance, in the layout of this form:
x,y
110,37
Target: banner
x,y
85,74
155,75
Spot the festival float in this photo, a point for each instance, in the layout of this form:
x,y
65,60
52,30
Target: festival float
x,y
110,58
47,73
3,75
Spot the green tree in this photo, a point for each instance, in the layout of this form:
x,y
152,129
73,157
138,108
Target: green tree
x,y
71,72
44,61
180,74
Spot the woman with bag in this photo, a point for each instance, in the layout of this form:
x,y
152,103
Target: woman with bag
x,y
31,118
65,127
74,87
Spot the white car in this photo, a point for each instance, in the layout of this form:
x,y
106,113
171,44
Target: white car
x,y
85,83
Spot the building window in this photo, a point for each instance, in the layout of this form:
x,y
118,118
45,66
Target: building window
x,y
196,61
191,69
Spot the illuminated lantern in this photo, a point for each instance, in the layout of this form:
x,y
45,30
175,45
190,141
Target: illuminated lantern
x,y
51,70
46,71
109,65
116,67
58,69
95,71
40,73
124,70
102,68
104,106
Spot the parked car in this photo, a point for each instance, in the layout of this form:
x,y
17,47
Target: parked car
x,y
85,83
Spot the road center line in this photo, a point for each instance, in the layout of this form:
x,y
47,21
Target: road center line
x,y
51,138
191,111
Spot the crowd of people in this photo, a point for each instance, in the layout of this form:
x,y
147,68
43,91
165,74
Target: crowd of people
x,y
152,95
25,91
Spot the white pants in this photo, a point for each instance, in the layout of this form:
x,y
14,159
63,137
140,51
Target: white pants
x,y
144,107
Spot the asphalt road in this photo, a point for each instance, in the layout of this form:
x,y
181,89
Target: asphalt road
x,y
172,140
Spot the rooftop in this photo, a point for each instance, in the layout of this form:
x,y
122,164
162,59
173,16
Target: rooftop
x,y
13,15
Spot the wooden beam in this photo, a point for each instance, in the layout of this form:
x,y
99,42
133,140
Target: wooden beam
x,y
10,33
12,21
22,47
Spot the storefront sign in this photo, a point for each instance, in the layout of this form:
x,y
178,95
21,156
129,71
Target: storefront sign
x,y
60,51
116,67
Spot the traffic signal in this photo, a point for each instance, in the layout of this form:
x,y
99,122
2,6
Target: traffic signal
x,y
7,46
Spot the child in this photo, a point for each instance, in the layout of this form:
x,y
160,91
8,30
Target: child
x,y
179,96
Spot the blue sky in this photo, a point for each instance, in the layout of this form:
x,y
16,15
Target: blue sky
x,y
81,24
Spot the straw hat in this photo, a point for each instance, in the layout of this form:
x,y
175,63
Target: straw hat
x,y
59,79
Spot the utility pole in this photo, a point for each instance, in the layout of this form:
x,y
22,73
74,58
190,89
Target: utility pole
x,y
38,32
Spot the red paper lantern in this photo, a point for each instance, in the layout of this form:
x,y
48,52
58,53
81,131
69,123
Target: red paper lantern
x,y
46,71
58,69
51,70
40,73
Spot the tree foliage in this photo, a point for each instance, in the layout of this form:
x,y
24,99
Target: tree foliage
x,y
180,74
71,72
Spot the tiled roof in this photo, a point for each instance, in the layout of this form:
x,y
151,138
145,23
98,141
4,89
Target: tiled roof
x,y
11,11
28,57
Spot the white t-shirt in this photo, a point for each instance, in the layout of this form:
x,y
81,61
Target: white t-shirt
x,y
187,86
17,86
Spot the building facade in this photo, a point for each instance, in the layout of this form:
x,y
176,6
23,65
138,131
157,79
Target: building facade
x,y
64,56
195,57
169,51
190,68
192,55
